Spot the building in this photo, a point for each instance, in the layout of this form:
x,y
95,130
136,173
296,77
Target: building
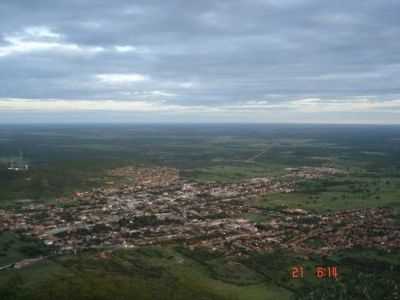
x,y
18,164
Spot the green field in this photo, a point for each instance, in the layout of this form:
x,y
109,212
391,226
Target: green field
x,y
338,194
15,247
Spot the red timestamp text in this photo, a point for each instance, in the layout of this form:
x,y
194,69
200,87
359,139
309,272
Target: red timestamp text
x,y
320,272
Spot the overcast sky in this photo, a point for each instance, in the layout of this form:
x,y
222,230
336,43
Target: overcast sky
x,y
200,61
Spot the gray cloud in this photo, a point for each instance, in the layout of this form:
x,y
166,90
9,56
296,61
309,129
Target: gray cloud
x,y
209,53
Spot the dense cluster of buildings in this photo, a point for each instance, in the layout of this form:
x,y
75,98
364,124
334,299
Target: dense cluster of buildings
x,y
155,207
313,172
321,234
147,177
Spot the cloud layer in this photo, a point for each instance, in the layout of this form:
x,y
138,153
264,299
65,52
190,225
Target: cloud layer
x,y
284,61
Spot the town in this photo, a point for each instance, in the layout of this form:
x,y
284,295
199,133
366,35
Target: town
x,y
154,206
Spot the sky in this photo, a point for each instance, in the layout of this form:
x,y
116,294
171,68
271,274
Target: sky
x,y
261,61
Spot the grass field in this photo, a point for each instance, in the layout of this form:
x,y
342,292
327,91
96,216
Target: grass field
x,y
149,274
339,194
15,247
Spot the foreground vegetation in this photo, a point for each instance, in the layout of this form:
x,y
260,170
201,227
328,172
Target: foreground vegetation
x,y
176,273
